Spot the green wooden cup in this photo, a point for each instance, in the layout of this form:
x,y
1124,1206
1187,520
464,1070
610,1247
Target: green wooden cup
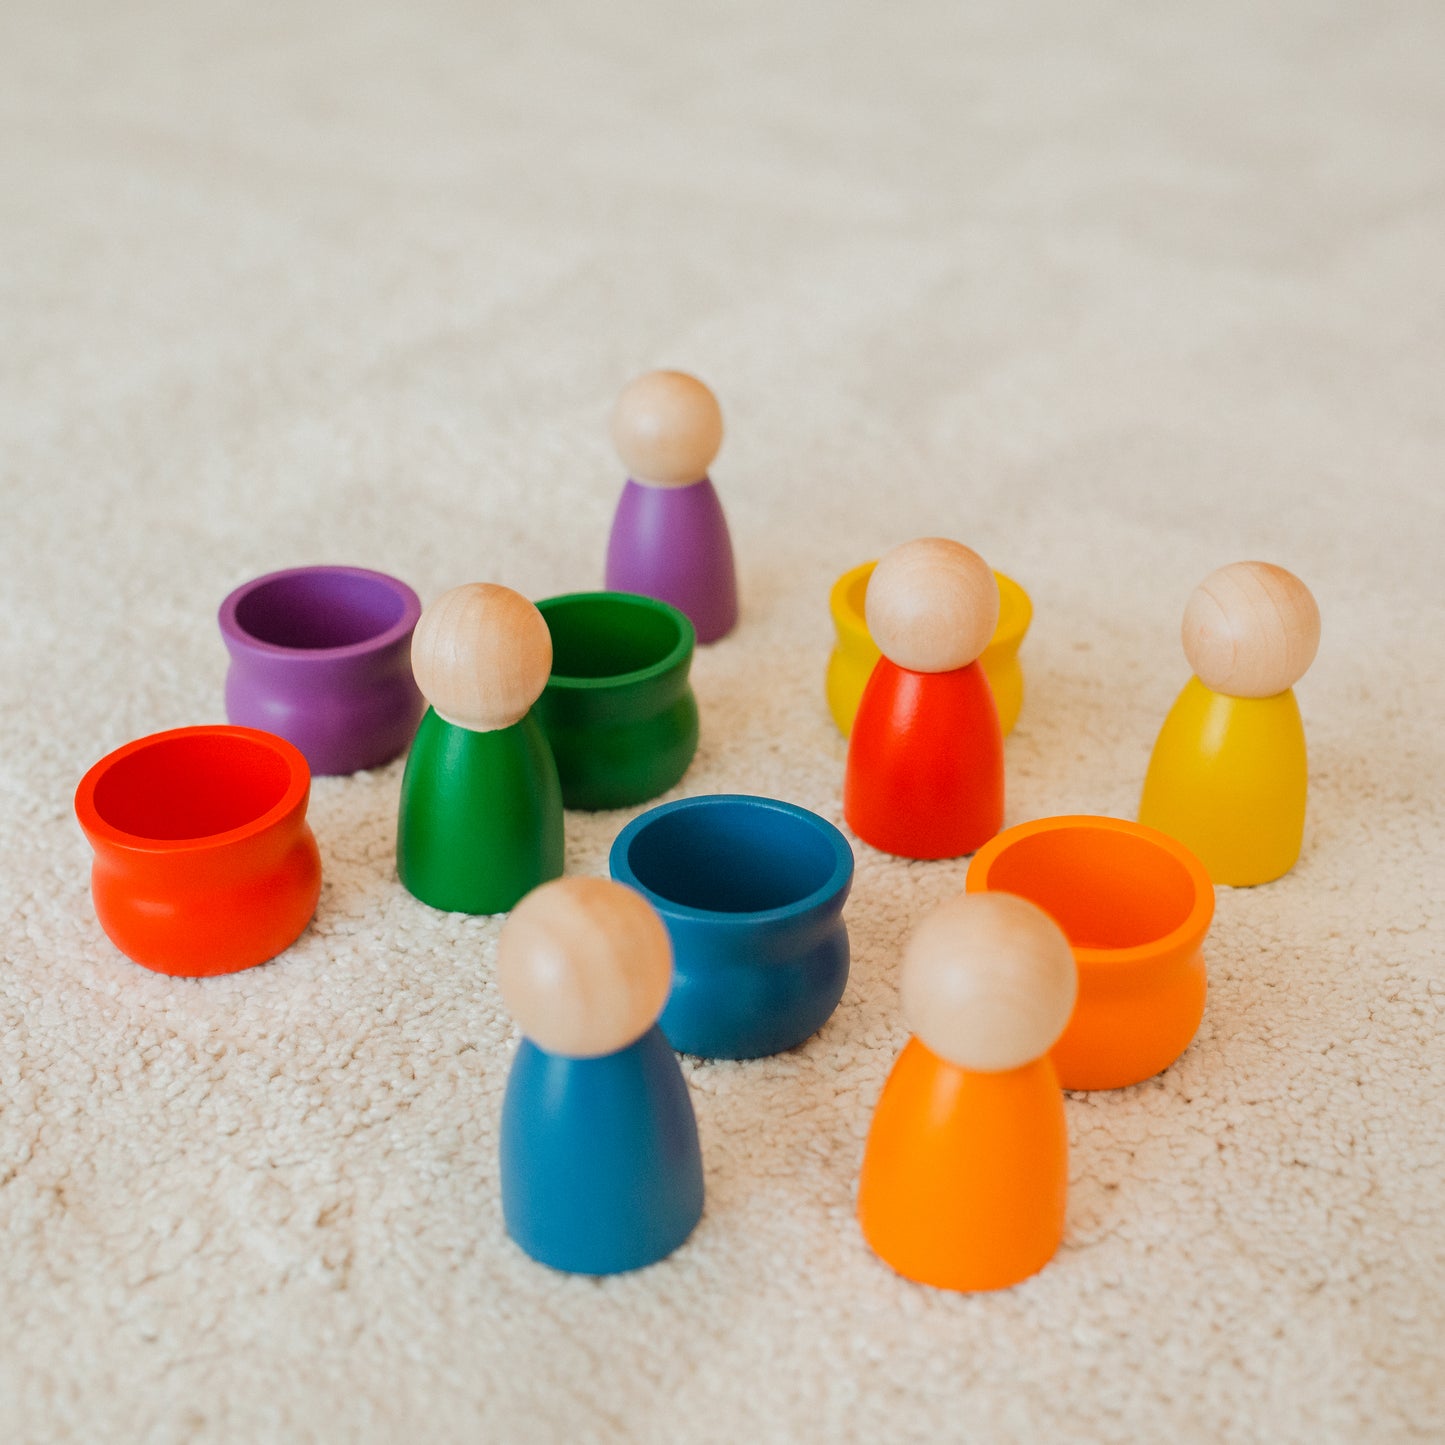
x,y
618,709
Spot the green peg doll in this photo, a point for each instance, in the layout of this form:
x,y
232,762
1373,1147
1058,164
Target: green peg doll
x,y
480,823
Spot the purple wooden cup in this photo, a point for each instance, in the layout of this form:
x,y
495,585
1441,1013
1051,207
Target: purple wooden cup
x,y
322,656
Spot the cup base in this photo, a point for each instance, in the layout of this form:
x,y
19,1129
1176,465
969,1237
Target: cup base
x,y
737,1010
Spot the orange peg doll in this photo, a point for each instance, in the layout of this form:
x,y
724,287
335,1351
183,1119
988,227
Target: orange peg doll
x,y
967,1162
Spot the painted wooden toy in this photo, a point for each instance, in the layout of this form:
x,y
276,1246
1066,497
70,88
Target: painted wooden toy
x,y
855,654
480,822
1135,905
204,861
751,891
600,1165
618,709
1229,776
966,1167
321,655
925,774
669,535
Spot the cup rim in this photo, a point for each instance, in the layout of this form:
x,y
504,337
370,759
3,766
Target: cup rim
x,y
1189,933
232,630
98,830
839,879
686,641
1016,609
851,624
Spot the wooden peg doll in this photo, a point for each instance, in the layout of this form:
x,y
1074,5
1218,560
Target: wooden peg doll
x,y
480,822
600,1165
1229,776
669,535
966,1167
925,774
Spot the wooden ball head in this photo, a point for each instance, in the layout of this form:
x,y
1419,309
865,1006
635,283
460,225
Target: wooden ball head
x,y
585,966
481,655
1251,630
667,429
932,605
988,982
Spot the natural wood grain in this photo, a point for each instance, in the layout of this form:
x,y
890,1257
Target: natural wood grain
x,y
1251,629
932,605
584,965
988,981
481,655
667,429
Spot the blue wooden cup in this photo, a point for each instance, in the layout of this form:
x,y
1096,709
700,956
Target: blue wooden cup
x,y
751,891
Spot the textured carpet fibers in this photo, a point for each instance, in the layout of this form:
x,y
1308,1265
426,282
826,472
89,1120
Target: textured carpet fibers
x,y
1114,293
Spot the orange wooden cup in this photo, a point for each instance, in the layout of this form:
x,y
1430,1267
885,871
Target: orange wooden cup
x,y
204,862
1135,906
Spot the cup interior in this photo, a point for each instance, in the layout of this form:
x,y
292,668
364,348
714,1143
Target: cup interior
x,y
313,610
191,787
856,597
731,857
1106,889
597,636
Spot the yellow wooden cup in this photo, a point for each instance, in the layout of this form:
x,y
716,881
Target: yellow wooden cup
x,y
855,652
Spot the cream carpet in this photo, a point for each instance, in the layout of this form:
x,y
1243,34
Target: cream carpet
x,y
1116,294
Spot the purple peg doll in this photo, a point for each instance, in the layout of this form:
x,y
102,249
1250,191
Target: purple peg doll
x,y
669,535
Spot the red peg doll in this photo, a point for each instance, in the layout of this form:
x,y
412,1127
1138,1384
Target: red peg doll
x,y
925,758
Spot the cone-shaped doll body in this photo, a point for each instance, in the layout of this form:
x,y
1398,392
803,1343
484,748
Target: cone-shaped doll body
x,y
480,824
669,536
925,772
480,821
672,543
600,1165
1228,776
965,1172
